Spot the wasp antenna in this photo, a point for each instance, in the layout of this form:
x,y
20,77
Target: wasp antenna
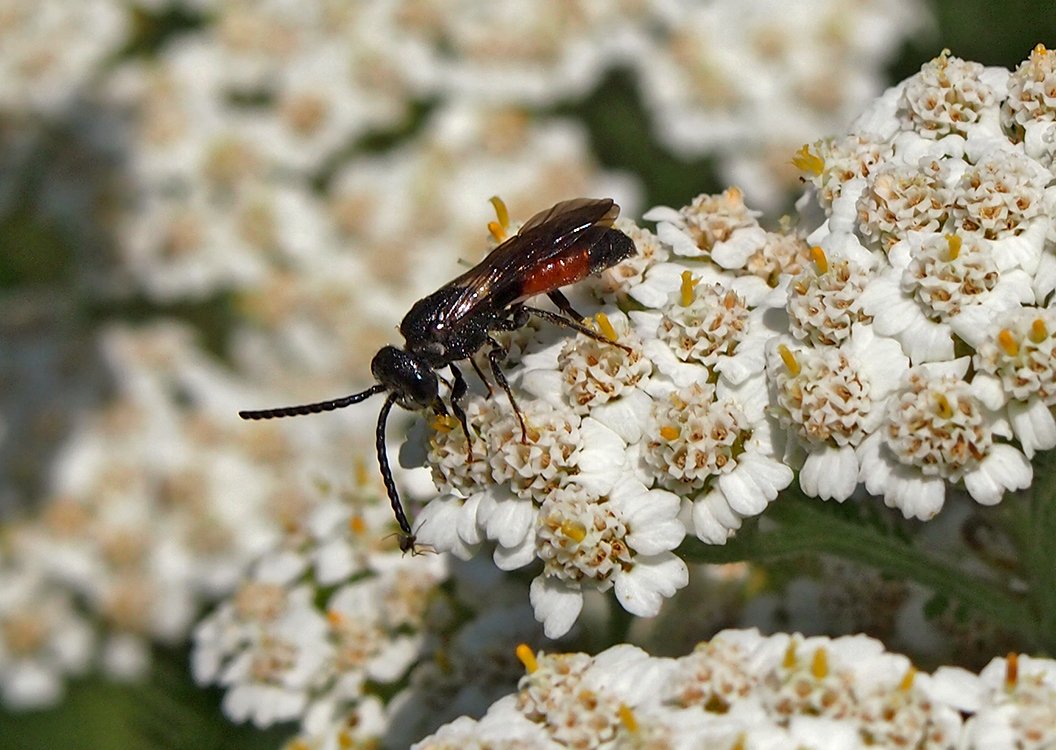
x,y
302,409
386,473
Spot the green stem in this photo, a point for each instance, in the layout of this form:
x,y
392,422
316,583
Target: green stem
x,y
1036,538
810,527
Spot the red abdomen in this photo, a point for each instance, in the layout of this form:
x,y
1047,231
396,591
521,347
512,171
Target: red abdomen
x,y
556,273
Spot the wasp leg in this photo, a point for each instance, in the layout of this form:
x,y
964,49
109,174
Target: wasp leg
x,y
564,305
406,534
458,392
495,356
482,376
561,320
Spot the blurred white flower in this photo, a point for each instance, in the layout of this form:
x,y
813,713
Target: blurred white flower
x,y
44,640
1012,702
740,687
51,49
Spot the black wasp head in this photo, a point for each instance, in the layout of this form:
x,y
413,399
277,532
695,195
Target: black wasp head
x,y
407,375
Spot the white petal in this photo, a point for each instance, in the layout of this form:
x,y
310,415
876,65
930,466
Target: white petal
x,y
915,495
437,524
749,360
642,589
1033,425
1004,469
512,558
544,384
556,605
662,213
626,415
512,521
830,473
680,242
471,516
988,389
1045,276
927,341
602,460
892,311
713,520
1022,250
682,374
734,252
754,483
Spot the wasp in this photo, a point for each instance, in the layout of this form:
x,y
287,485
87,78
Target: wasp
x,y
555,248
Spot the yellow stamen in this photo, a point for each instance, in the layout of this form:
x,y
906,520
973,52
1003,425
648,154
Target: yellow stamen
x,y
574,530
953,243
626,715
790,660
943,61
501,213
1011,671
498,229
689,285
669,432
335,618
739,744
357,525
1038,331
943,407
362,475
443,423
806,160
527,658
789,359
605,326
820,261
819,665
907,679
1008,342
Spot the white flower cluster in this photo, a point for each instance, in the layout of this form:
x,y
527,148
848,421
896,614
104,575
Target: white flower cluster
x,y
320,616
157,506
229,128
750,81
904,346
920,342
742,689
338,630
669,406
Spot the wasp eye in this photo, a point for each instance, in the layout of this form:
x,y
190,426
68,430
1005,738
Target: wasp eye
x,y
407,375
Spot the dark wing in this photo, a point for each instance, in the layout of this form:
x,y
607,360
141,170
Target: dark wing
x,y
498,279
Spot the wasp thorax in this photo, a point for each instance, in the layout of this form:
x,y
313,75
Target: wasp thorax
x,y
407,375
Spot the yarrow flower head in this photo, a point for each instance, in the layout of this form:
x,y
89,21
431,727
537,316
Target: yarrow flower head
x,y
942,211
831,399
938,429
293,643
947,97
744,689
617,421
